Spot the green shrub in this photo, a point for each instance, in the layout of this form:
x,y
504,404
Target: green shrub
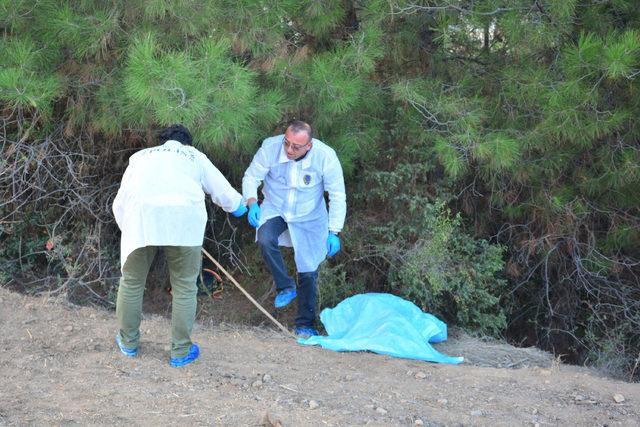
x,y
334,285
449,273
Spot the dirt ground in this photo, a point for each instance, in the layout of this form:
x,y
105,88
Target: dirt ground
x,y
59,366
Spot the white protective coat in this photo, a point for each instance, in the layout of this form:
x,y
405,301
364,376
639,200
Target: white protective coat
x,y
295,190
161,200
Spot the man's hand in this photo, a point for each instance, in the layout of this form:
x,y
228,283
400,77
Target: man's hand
x,y
254,214
242,209
333,244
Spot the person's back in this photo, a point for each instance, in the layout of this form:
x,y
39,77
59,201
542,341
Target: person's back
x,y
169,172
161,205
163,196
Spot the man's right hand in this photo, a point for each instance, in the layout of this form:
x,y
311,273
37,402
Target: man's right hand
x,y
254,215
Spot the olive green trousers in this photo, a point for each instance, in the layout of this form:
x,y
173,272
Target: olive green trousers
x,y
184,264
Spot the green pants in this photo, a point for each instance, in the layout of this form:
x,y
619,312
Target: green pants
x,y
184,266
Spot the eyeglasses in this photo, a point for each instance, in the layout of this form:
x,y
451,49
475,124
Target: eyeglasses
x,y
294,147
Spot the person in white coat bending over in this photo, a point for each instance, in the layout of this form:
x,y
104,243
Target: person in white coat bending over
x,y
161,204
296,170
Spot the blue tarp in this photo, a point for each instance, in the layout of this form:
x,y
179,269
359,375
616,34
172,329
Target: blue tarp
x,y
384,324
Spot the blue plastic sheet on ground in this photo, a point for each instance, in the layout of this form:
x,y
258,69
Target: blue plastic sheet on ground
x,y
384,324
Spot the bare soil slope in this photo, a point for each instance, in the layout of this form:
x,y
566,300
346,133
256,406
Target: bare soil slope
x,y
59,366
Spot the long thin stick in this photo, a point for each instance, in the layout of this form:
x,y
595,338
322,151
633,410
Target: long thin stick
x,y
285,330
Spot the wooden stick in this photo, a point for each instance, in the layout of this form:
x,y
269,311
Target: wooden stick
x,y
285,330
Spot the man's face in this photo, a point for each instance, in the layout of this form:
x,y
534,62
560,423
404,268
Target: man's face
x,y
296,145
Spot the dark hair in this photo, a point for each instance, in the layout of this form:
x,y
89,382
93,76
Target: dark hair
x,y
298,126
176,133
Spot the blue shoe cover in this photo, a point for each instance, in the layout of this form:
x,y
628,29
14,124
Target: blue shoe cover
x,y
306,332
285,297
130,352
194,353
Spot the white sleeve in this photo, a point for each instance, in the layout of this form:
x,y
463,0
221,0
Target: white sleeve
x,y
334,185
119,201
254,174
217,186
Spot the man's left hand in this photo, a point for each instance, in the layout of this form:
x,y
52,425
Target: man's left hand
x,y
333,244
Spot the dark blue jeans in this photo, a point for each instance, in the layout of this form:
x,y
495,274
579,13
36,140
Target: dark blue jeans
x,y
307,282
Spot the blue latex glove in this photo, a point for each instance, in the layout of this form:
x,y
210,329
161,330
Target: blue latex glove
x,y
242,209
333,244
254,215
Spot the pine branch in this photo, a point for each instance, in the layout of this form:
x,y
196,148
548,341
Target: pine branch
x,y
414,8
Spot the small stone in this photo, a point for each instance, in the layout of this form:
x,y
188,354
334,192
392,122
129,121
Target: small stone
x,y
313,404
256,383
348,378
420,375
618,398
443,401
535,411
536,424
68,328
476,413
267,420
545,372
266,378
29,306
418,422
578,398
381,411
369,406
166,348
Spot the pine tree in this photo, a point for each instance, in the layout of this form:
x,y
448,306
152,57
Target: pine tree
x,y
520,115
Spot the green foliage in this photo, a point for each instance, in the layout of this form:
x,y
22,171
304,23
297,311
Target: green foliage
x,y
333,85
621,54
448,273
110,116
14,14
499,152
334,285
319,18
520,115
22,83
614,56
261,29
85,36
423,251
26,250
452,121
451,157
202,88
364,50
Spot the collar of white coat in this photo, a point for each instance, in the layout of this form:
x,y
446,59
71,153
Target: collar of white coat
x,y
306,162
174,143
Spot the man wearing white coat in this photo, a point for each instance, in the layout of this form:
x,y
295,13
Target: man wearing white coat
x,y
161,203
296,170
